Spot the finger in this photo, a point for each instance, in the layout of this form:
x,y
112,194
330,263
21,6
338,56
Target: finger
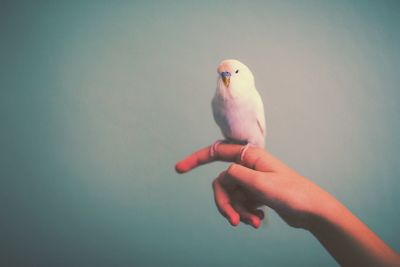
x,y
223,152
198,158
247,216
249,179
255,158
223,204
246,206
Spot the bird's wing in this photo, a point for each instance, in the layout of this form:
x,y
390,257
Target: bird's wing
x,y
259,112
220,117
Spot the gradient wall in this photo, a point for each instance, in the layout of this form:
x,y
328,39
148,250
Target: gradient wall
x,y
99,99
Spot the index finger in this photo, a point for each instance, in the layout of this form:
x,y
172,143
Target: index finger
x,y
223,152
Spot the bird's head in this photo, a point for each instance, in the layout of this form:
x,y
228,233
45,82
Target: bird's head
x,y
234,74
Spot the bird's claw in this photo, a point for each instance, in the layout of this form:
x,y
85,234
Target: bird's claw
x,y
213,148
243,151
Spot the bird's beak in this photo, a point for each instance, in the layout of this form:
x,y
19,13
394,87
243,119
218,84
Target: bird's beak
x,y
226,78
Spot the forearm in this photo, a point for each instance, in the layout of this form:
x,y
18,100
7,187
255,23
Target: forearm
x,y
348,239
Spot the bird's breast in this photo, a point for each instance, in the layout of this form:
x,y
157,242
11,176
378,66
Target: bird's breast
x,y
237,119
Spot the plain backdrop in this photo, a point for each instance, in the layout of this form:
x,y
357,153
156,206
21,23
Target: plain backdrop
x,y
99,99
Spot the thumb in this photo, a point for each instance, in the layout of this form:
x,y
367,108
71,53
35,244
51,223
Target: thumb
x,y
252,180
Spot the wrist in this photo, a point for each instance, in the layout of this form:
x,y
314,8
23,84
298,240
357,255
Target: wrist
x,y
328,211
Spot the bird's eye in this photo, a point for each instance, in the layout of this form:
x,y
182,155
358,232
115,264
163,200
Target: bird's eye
x,y
236,71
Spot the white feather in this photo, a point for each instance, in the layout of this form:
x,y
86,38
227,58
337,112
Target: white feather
x,y
237,108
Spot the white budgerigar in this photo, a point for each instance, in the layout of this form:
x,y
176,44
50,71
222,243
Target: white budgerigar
x,y
237,106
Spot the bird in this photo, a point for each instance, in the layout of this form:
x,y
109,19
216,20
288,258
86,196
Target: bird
x,y
237,107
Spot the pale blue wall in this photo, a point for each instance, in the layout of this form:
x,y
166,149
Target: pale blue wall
x,y
98,100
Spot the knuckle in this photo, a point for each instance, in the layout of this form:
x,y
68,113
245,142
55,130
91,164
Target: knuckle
x,y
259,150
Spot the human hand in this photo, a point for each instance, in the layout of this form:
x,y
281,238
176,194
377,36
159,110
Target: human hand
x,y
259,179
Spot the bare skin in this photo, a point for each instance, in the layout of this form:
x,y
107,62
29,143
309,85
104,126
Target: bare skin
x,y
260,179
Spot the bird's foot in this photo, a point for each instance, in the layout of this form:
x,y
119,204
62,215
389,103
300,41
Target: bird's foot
x,y
243,151
213,147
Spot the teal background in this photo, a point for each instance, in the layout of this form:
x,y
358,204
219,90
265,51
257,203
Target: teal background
x,y
99,99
